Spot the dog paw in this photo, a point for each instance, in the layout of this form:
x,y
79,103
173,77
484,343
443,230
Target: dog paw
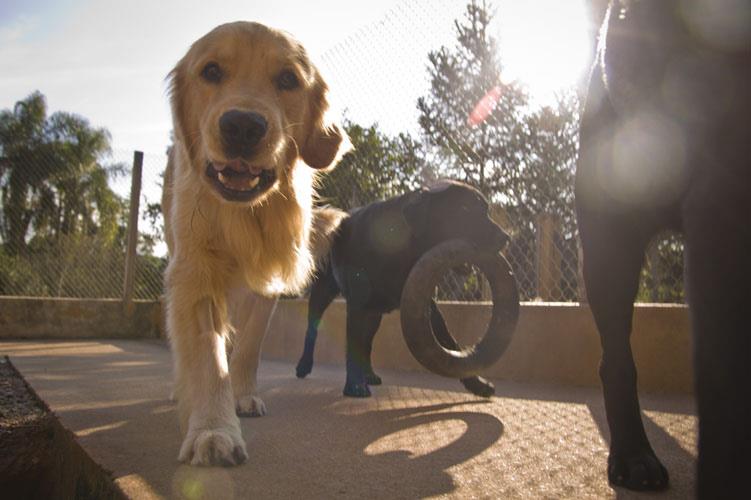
x,y
640,471
250,406
356,390
304,367
224,447
479,386
372,379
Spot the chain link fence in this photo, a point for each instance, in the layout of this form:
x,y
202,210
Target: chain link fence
x,y
396,150
545,258
64,221
79,251
64,227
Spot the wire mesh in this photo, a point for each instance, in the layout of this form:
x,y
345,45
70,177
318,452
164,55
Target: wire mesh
x,y
63,220
522,158
63,228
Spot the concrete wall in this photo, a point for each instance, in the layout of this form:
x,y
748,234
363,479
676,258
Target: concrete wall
x,y
37,318
553,343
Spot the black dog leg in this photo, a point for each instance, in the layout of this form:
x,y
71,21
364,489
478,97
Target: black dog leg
x,y
361,326
612,262
323,291
476,385
718,240
370,376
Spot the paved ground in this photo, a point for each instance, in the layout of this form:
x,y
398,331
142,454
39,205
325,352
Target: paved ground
x,y
419,436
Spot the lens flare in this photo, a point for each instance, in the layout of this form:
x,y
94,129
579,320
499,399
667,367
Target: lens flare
x,y
484,106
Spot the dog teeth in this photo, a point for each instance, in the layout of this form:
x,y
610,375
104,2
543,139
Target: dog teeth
x,y
238,183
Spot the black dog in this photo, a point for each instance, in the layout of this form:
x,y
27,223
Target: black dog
x,y
371,256
666,143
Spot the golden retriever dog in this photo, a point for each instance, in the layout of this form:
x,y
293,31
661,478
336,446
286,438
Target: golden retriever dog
x,y
248,109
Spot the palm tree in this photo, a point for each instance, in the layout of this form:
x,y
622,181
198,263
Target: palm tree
x,y
53,181
23,143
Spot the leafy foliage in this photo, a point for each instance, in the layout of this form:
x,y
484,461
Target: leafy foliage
x,y
484,155
378,167
53,180
521,159
62,227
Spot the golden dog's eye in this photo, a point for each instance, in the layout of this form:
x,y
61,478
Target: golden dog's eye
x,y
212,73
287,80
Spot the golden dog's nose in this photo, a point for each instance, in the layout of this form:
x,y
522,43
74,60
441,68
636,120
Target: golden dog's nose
x,y
241,131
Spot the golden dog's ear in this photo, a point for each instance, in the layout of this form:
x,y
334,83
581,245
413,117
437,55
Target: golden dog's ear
x,y
176,91
325,142
184,124
323,146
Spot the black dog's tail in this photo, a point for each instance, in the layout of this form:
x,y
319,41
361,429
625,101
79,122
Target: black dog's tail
x,y
326,221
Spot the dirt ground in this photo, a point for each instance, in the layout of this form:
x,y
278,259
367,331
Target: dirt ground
x,y
38,457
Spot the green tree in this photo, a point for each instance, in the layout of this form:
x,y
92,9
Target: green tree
x,y
61,225
521,158
378,167
548,151
662,276
22,142
484,154
53,181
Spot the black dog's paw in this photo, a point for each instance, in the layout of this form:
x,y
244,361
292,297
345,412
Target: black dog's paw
x,y
373,379
479,386
304,367
355,390
641,471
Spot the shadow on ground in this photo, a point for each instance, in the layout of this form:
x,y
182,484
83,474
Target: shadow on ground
x,y
419,436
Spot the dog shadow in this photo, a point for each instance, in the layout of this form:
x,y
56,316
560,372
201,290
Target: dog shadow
x,y
313,443
346,447
410,440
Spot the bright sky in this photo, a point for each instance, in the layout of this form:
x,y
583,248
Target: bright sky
x,y
106,59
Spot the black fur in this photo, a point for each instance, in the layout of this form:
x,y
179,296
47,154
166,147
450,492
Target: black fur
x,y
371,256
666,144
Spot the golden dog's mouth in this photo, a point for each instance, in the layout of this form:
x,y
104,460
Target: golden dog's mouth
x,y
237,180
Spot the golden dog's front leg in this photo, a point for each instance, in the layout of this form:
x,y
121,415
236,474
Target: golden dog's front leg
x,y
251,314
204,391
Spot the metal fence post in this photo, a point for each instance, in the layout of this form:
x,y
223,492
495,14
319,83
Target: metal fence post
x,y
548,258
130,253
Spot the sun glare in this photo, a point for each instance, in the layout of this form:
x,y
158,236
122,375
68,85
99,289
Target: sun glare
x,y
544,44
